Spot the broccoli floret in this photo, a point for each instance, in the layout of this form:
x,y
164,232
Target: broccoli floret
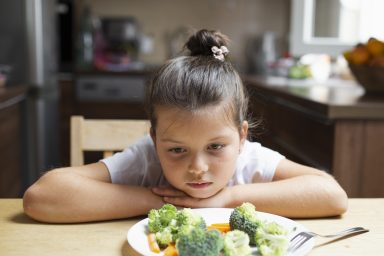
x,y
200,242
188,217
272,239
164,237
168,223
236,242
158,219
269,237
186,221
244,218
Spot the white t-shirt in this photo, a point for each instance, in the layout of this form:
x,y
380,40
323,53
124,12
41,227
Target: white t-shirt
x,y
139,165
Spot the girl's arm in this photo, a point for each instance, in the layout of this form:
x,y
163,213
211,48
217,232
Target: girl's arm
x,y
79,194
297,191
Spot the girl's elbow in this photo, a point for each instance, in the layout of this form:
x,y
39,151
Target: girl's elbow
x,y
31,203
36,206
36,199
336,196
339,202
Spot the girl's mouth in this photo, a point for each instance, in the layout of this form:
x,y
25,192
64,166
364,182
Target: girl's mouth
x,y
199,184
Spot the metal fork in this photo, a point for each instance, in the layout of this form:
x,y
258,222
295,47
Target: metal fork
x,y
301,238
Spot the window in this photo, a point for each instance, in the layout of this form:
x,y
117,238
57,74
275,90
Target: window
x,y
332,26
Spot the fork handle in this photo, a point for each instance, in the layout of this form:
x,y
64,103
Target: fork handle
x,y
344,232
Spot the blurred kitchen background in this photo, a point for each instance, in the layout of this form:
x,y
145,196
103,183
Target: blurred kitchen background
x,y
93,58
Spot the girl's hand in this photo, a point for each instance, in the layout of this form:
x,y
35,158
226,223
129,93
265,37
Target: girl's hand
x,y
176,197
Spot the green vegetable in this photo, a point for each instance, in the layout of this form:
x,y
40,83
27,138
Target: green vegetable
x,y
187,220
236,242
299,71
244,218
200,242
164,237
272,239
158,219
188,217
168,223
269,237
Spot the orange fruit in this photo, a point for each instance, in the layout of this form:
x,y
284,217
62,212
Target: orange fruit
x,y
375,47
360,55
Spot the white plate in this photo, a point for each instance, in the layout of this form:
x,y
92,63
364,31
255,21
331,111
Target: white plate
x,y
137,234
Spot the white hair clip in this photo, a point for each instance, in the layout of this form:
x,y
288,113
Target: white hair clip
x,y
219,53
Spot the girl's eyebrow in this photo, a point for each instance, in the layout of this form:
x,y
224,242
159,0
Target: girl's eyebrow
x,y
220,137
170,140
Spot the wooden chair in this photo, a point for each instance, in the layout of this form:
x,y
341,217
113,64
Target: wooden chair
x,y
103,135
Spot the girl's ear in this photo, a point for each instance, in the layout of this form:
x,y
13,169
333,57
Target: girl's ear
x,y
152,132
243,134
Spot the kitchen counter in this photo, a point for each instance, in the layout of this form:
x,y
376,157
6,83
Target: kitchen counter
x,y
20,235
335,127
335,99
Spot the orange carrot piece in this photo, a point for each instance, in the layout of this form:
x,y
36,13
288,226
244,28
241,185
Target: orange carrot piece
x,y
220,224
223,227
170,250
152,243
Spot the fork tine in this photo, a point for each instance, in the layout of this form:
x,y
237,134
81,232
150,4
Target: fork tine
x,y
298,240
297,243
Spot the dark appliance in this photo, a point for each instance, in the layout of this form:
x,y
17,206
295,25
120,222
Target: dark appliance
x,y
117,44
65,35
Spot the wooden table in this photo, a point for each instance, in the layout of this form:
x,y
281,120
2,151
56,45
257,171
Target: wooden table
x,y
19,235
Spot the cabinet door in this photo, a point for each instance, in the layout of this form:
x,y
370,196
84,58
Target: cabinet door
x,y
10,150
297,135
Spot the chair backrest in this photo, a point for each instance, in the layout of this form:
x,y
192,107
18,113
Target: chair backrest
x,y
104,135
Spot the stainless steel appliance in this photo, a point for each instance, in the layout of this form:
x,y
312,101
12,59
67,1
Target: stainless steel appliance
x,y
28,44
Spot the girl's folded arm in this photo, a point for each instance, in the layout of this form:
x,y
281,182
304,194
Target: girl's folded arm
x,y
296,191
80,194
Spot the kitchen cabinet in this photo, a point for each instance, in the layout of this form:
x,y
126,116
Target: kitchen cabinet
x,y
100,95
335,127
11,151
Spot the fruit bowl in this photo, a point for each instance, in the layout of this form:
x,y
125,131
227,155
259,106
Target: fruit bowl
x,y
371,78
366,62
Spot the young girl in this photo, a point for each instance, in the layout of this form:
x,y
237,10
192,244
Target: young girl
x,y
197,155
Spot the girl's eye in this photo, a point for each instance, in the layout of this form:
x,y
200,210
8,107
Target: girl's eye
x,y
177,150
215,146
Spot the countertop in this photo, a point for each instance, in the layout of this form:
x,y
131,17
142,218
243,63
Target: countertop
x,y
20,235
334,99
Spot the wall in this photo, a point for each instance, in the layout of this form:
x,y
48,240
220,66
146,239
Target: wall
x,y
241,20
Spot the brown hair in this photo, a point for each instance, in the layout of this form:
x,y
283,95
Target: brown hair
x,y
198,80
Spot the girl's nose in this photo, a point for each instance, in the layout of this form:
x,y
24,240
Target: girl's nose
x,y
198,167
197,174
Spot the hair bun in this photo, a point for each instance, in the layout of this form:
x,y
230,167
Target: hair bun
x,y
202,41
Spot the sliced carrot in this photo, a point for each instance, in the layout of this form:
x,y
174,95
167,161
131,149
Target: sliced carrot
x,y
152,243
170,250
223,227
220,224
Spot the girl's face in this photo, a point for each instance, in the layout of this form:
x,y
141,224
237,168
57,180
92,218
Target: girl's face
x,y
198,152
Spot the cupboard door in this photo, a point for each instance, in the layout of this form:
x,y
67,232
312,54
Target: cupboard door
x,y
10,150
